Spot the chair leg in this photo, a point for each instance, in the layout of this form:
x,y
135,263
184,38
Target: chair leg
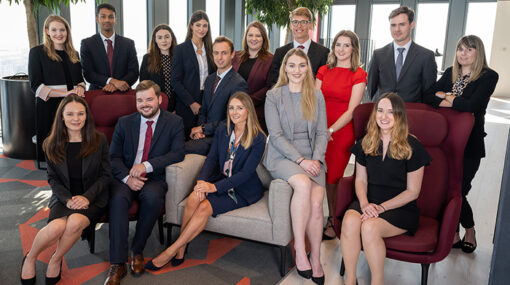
x,y
283,259
161,233
169,234
92,238
424,273
342,268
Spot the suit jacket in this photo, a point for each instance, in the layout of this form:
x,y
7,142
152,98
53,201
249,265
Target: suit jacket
x,y
418,73
158,78
280,124
96,68
317,54
96,175
244,179
185,77
474,99
214,107
167,145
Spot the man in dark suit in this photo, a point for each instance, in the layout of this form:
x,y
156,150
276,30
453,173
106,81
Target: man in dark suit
x,y
300,24
218,88
143,144
402,66
109,61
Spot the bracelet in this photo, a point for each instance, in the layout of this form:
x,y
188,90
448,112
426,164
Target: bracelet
x,y
299,163
382,207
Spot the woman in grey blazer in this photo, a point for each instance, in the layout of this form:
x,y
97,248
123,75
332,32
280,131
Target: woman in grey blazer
x,y
296,120
79,174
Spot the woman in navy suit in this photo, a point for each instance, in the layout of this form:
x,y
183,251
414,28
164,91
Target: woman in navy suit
x,y
191,64
157,62
253,63
228,179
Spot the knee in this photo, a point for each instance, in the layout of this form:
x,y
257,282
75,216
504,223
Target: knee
x,y
76,224
152,199
56,228
301,184
192,200
369,230
351,225
204,209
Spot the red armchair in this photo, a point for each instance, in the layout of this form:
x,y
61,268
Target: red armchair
x,y
443,133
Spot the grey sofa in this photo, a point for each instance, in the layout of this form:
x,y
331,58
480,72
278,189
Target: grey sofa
x,y
267,221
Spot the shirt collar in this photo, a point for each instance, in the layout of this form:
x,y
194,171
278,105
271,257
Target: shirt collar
x,y
155,119
305,44
112,38
406,46
224,72
195,48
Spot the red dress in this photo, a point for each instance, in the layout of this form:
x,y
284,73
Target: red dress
x,y
336,87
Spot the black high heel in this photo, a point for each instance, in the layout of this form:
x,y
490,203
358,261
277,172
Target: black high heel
x,y
458,244
468,247
329,224
318,280
178,261
29,281
150,266
307,274
54,280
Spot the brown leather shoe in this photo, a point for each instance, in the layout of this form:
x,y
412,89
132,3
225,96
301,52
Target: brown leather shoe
x,y
137,264
116,273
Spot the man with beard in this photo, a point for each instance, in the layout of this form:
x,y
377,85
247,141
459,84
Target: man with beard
x,y
143,144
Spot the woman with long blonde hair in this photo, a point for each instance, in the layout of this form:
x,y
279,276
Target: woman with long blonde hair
x,y
296,120
389,171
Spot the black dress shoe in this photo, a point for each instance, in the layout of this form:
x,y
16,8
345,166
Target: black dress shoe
x,y
318,280
54,280
29,281
468,247
307,274
151,266
329,224
458,244
179,261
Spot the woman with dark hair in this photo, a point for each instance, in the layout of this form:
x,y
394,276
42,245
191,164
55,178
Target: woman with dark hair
x,y
467,87
253,63
78,173
228,179
157,63
296,119
191,64
389,171
342,81
54,71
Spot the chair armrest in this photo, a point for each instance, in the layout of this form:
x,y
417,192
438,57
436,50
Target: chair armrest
x,y
180,178
448,227
344,196
280,194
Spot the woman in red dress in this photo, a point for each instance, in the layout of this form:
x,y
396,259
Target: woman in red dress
x,y
342,82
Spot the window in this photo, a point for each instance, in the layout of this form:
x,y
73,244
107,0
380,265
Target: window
x,y
342,18
83,21
480,22
212,8
136,29
380,26
431,22
14,47
178,15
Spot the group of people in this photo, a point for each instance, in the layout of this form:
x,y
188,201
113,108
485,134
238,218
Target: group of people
x,y
222,103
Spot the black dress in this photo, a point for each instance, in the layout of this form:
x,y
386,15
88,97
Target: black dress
x,y
74,165
387,178
162,78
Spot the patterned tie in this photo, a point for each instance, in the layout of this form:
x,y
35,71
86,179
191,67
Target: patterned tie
x,y
147,143
301,46
215,84
109,54
400,60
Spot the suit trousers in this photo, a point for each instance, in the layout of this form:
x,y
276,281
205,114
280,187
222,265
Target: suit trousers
x,y
470,167
201,146
151,199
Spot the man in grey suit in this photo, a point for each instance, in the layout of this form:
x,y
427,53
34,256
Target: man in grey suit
x,y
402,66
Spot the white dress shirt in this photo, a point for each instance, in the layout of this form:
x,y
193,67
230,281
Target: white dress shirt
x,y
202,64
404,54
112,38
305,44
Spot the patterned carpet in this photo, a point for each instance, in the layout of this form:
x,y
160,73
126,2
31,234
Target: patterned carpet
x,y
211,258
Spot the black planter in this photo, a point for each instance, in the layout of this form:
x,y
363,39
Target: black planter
x,y
18,117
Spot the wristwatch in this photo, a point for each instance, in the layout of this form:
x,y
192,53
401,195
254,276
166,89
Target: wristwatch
x,y
331,131
203,129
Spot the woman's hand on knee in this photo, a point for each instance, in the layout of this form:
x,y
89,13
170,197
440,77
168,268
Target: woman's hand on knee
x,y
371,210
78,202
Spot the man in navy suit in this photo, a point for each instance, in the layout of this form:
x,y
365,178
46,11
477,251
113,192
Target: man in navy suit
x,y
402,66
143,144
300,24
108,60
218,88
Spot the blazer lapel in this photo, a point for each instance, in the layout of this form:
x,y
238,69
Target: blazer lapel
x,y
286,109
223,83
102,51
254,71
135,132
65,171
116,49
411,55
193,55
160,126
390,55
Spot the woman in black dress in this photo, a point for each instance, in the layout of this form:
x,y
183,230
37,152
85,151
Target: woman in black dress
x,y
467,87
157,63
78,173
389,171
54,71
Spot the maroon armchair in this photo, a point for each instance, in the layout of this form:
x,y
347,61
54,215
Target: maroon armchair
x,y
107,108
444,133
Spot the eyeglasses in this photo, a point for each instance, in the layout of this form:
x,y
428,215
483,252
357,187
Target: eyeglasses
x,y
302,22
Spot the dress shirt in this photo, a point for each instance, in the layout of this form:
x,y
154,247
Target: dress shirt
x,y
221,77
305,44
112,38
141,142
404,53
202,64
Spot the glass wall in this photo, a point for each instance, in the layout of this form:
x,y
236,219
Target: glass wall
x,y
212,8
14,45
480,22
178,16
431,21
136,30
342,18
83,21
380,25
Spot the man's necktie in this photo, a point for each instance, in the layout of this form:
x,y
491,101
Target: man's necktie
x,y
215,84
109,54
147,143
400,61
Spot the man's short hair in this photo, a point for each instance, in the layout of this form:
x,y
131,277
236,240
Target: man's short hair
x,y
147,84
403,10
223,39
105,6
301,11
